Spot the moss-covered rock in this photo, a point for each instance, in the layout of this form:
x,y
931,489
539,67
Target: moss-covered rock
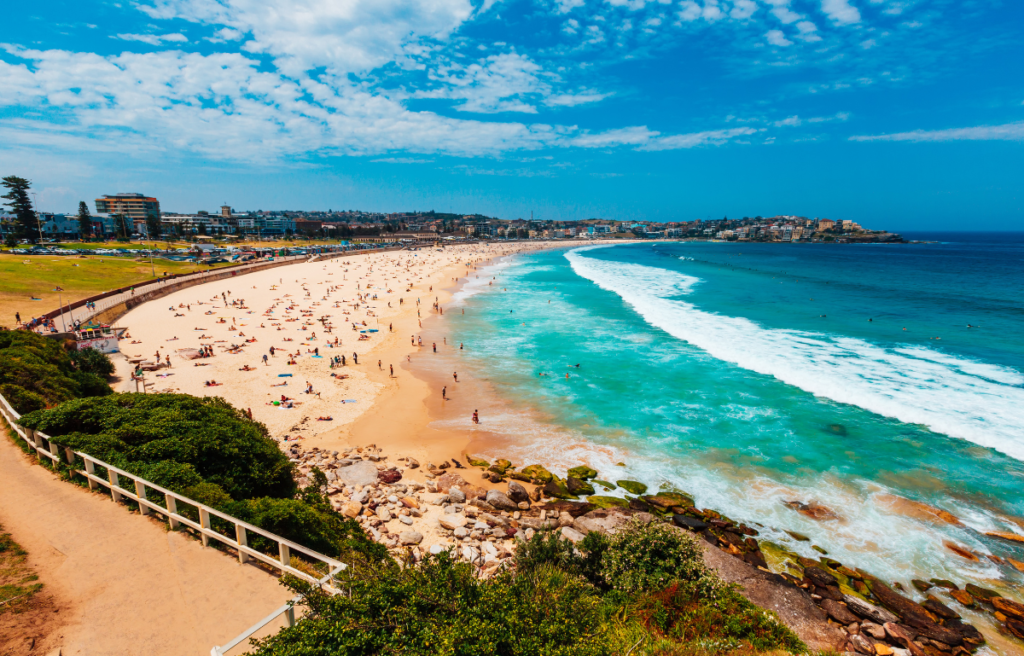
x,y
519,476
608,502
583,472
666,500
537,472
557,489
605,484
781,560
633,487
476,461
579,487
501,466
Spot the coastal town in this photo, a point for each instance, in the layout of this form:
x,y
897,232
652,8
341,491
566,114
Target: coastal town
x,y
128,216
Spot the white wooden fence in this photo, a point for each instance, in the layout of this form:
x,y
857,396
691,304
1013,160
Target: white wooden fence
x,y
123,485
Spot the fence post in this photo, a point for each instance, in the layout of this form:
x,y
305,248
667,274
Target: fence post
x,y
204,521
114,484
285,552
172,509
290,615
90,469
35,441
55,451
243,541
140,491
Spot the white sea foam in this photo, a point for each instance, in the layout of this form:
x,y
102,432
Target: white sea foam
x,y
975,401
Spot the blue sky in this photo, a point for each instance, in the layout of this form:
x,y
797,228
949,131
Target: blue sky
x,y
902,114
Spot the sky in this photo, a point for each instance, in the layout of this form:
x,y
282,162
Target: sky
x,y
897,114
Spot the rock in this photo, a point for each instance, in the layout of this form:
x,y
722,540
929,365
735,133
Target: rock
x,y
582,472
578,487
477,461
963,597
873,630
405,519
455,495
862,644
481,504
452,522
838,612
943,583
1016,628
413,463
869,610
358,473
981,594
389,476
410,537
501,466
633,487
923,586
409,502
571,534
500,501
961,551
489,549
607,521
574,508
666,500
605,484
351,509
608,502
799,537
461,532
557,489
939,608
537,472
898,635
883,649
895,601
537,524
917,510
517,492
1009,607
1017,564
447,481
813,510
436,549
924,626
384,514
690,523
820,577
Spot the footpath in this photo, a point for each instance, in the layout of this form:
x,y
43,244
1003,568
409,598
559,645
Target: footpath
x,y
124,584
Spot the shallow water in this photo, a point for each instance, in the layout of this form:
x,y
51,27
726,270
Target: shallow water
x,y
750,375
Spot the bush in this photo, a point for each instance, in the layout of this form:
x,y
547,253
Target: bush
x,y
650,556
92,361
174,440
35,368
549,549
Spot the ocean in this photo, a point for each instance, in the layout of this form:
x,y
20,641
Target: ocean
x,y
869,379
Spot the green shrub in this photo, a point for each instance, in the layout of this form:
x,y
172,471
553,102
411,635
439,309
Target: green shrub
x,y
174,438
549,549
92,361
34,368
650,556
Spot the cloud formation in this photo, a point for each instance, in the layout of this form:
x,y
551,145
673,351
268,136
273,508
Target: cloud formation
x,y
1006,132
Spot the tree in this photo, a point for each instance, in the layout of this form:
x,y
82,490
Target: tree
x,y
84,221
21,207
123,229
153,226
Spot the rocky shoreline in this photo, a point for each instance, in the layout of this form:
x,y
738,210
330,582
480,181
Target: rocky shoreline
x,y
830,605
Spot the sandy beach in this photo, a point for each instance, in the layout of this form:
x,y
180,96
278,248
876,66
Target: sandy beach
x,y
367,309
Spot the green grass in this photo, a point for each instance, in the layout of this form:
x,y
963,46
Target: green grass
x,y
27,276
17,581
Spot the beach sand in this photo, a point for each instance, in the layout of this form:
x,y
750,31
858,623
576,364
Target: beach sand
x,y
302,308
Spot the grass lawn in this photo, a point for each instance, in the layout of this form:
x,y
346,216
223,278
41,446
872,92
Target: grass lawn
x,y
25,276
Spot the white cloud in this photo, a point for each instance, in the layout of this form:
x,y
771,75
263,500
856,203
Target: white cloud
x,y
808,31
1007,132
692,140
226,34
777,38
691,10
153,39
634,136
840,11
574,99
500,83
742,9
791,122
781,11
565,6
342,36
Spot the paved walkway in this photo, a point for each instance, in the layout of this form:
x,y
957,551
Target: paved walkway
x,y
132,586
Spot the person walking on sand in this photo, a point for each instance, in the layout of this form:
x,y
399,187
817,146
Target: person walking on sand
x,y
444,393
476,417
455,375
392,367
435,347
266,362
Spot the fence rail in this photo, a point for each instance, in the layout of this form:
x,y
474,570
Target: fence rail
x,y
124,485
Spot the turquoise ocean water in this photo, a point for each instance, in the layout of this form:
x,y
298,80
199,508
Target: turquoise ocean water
x,y
754,374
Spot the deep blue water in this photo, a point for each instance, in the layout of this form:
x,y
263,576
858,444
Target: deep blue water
x,y
752,374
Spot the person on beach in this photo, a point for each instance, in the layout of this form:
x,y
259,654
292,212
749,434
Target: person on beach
x,y
444,393
435,347
455,375
476,417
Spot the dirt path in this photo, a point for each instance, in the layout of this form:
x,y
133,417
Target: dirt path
x,y
123,584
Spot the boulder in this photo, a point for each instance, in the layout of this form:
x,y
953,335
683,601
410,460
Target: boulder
x,y
691,523
537,472
445,482
1009,607
862,644
936,607
963,596
582,472
605,484
477,461
1015,627
607,521
456,495
608,502
838,612
351,509
868,610
409,502
410,537
633,487
452,522
820,577
900,636
895,601
571,534
501,466
578,486
980,593
557,489
498,499
574,508
358,473
384,514
389,476
666,500
517,492
538,524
